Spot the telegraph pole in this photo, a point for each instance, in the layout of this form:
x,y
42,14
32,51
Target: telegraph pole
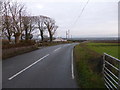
x,y
66,34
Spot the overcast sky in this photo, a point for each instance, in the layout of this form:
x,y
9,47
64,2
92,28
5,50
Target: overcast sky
x,y
99,19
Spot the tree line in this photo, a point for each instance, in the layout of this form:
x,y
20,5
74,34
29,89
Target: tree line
x,y
17,23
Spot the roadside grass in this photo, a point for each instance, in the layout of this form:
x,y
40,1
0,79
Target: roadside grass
x,y
109,48
89,67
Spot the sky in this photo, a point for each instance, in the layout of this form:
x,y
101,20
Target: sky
x,y
99,18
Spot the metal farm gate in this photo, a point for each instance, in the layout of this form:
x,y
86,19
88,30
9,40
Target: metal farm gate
x,y
111,72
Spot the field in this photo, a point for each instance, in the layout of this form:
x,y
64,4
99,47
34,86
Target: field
x,y
109,48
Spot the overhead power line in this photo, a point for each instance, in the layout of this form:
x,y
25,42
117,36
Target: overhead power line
x,y
80,14
74,17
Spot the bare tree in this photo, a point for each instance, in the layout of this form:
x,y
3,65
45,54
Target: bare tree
x,y
28,26
51,27
6,21
41,26
26,23
16,23
16,13
32,26
1,7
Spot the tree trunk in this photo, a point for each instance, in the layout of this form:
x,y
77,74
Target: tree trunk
x,y
26,35
9,34
21,37
9,38
17,38
50,34
41,34
51,38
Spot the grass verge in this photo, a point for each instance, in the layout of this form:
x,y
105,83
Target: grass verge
x,y
89,67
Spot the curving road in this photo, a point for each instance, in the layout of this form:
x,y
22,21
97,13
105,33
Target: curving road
x,y
50,67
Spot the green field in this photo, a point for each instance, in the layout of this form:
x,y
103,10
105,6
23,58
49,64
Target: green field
x,y
109,48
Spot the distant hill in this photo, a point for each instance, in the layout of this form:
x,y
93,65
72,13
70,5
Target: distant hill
x,y
96,38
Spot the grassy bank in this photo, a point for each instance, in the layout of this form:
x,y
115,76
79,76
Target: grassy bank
x,y
109,48
89,67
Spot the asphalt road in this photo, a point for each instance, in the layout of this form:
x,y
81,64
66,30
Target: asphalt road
x,y
50,67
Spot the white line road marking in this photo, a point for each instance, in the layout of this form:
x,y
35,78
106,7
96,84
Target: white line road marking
x,y
57,49
72,68
28,67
